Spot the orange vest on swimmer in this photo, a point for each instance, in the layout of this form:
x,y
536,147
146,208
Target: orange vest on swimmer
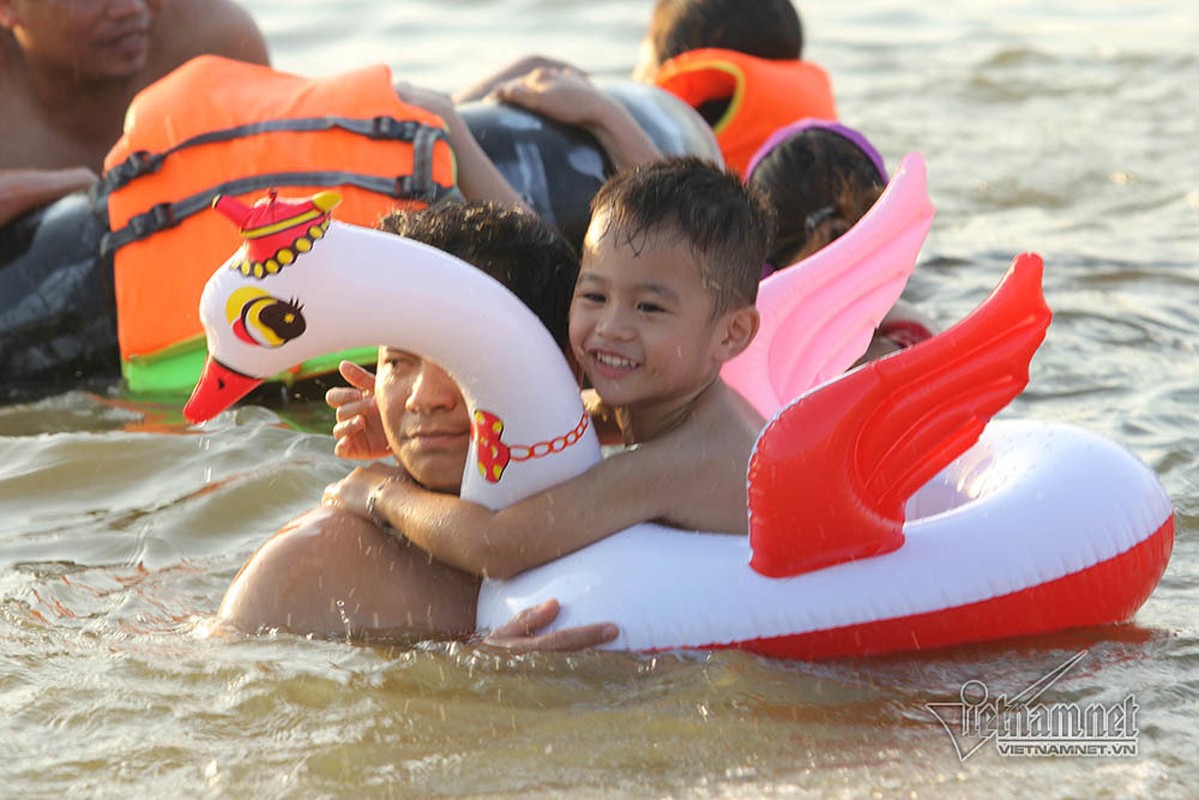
x,y
763,95
216,126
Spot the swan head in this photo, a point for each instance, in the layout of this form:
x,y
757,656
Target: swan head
x,y
244,308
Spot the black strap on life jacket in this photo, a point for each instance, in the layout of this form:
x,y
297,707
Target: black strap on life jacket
x,y
417,186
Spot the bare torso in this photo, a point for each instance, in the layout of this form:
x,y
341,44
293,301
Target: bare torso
x,y
53,120
38,136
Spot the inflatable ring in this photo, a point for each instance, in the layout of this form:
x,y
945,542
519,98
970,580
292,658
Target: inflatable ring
x,y
557,168
58,327
920,536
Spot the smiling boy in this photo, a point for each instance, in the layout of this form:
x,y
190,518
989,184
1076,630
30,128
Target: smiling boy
x,y
664,297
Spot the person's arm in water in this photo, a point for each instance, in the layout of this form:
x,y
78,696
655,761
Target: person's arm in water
x,y
478,178
692,479
569,97
22,190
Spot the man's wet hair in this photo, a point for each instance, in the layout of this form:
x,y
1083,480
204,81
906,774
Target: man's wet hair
x,y
725,224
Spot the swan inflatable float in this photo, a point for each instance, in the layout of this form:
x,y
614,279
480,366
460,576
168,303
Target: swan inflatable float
x,y
880,519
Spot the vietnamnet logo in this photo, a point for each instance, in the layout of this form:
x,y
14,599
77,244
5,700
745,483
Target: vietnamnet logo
x,y
1024,726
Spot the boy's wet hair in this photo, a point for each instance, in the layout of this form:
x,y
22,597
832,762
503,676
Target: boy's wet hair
x,y
515,247
818,184
763,28
725,224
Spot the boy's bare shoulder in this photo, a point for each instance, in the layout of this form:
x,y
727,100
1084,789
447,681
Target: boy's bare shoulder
x,y
724,415
707,459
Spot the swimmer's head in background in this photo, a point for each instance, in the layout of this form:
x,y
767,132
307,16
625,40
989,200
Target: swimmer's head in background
x,y
769,29
795,128
820,177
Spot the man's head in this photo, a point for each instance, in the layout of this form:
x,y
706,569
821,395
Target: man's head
x,y
87,40
763,28
423,412
668,279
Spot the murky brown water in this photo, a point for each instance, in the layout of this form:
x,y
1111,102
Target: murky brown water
x,y
1063,127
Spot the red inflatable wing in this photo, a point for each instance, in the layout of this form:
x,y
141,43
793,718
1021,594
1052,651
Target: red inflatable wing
x,y
831,473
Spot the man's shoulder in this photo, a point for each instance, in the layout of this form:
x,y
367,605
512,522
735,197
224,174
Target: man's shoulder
x,y
185,29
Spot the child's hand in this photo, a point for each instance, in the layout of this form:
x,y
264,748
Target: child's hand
x,y
359,429
352,493
520,634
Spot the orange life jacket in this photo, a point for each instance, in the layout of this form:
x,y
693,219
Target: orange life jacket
x,y
216,126
762,94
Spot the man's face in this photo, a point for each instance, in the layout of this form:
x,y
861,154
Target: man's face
x,y
425,418
91,39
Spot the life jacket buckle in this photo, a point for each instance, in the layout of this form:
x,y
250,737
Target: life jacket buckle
x,y
416,187
391,128
153,220
135,165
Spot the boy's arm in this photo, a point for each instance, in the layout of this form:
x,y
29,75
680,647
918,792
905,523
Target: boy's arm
x,y
621,491
478,178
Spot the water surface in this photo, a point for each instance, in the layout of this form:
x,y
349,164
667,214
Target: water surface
x,y
1062,127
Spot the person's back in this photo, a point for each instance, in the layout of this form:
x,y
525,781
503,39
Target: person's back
x,y
738,65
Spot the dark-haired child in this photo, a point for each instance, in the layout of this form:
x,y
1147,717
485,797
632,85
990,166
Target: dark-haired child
x,y
665,296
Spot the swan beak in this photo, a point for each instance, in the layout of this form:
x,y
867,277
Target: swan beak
x,y
218,388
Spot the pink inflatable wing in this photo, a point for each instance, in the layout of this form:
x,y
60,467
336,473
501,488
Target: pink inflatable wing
x,y
861,445
819,314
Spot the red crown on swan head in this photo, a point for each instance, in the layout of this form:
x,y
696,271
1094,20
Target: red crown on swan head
x,y
277,229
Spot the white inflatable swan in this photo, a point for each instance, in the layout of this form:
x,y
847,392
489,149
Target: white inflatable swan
x,y
1035,528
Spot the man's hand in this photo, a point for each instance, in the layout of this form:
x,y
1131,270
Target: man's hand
x,y
520,634
359,429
